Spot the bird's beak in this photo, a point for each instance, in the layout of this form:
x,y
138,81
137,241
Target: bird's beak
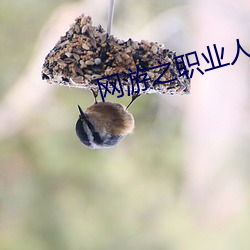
x,y
82,114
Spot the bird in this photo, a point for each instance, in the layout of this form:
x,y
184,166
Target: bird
x,y
104,124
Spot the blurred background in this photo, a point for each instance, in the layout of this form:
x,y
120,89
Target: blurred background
x,y
180,182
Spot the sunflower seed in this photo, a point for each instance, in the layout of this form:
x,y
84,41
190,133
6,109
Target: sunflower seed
x,y
88,62
85,46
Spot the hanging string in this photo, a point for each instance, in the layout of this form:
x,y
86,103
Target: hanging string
x,y
110,15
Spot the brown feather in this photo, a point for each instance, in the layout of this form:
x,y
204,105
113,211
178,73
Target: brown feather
x,y
111,117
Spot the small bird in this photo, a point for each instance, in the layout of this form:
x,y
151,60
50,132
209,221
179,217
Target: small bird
x,y
104,124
